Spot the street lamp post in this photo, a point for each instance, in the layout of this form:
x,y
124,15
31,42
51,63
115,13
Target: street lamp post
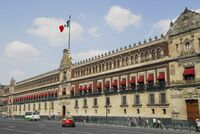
x,y
106,114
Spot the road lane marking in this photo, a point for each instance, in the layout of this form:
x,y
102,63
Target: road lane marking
x,y
12,126
41,125
22,131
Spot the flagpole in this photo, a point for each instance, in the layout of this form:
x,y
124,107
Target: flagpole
x,y
69,32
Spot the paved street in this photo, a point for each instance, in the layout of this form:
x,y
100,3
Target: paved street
x,y
8,126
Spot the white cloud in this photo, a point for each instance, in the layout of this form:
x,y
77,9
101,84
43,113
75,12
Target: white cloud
x,y
85,55
197,10
162,26
47,28
17,74
21,51
93,32
119,18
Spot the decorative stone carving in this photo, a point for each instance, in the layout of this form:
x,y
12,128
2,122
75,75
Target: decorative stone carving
x,y
66,60
175,110
187,21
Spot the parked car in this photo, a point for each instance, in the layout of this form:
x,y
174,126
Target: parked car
x,y
68,122
32,116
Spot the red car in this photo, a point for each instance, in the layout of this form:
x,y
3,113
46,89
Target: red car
x,y
68,122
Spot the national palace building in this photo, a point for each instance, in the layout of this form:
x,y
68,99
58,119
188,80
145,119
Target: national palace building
x,y
158,78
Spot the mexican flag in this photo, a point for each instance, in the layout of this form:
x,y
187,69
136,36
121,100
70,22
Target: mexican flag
x,y
62,27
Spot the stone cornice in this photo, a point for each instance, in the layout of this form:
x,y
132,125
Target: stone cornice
x,y
121,52
38,77
36,88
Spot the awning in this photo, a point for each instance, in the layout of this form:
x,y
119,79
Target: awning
x,y
150,77
85,88
72,90
80,88
52,93
123,82
141,79
114,84
132,80
56,92
99,86
46,94
89,87
49,93
40,94
161,76
189,71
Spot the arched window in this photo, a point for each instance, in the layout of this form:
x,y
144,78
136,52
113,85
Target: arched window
x,y
76,74
93,69
106,65
118,63
114,63
153,55
158,53
102,67
188,46
146,56
83,71
126,61
89,70
96,68
99,67
132,59
136,58
123,62
142,57
110,65
64,76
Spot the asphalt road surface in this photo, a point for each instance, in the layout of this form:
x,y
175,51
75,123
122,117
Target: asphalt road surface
x,y
9,126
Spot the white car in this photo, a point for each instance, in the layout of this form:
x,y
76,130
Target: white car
x,y
32,116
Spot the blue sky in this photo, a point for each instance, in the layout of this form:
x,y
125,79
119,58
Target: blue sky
x,y
31,44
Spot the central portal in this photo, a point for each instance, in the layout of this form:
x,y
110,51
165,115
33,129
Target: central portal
x,y
63,111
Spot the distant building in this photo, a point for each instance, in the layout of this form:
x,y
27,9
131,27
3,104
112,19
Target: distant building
x,y
3,90
157,78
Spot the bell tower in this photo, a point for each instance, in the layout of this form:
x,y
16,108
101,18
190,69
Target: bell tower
x,y
65,66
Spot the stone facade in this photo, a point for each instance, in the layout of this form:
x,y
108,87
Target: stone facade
x,y
158,78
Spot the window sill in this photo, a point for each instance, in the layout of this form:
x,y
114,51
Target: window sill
x,y
163,104
137,105
124,105
151,105
107,106
95,106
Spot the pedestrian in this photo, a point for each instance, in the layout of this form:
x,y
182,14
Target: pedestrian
x,y
197,125
158,124
129,121
154,122
140,121
146,123
134,121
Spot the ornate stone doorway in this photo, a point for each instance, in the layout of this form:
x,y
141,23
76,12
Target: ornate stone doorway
x,y
192,109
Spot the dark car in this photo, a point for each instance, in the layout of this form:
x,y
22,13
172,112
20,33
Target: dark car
x,y
68,122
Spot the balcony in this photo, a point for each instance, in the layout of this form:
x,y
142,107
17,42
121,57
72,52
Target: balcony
x,y
140,87
155,86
